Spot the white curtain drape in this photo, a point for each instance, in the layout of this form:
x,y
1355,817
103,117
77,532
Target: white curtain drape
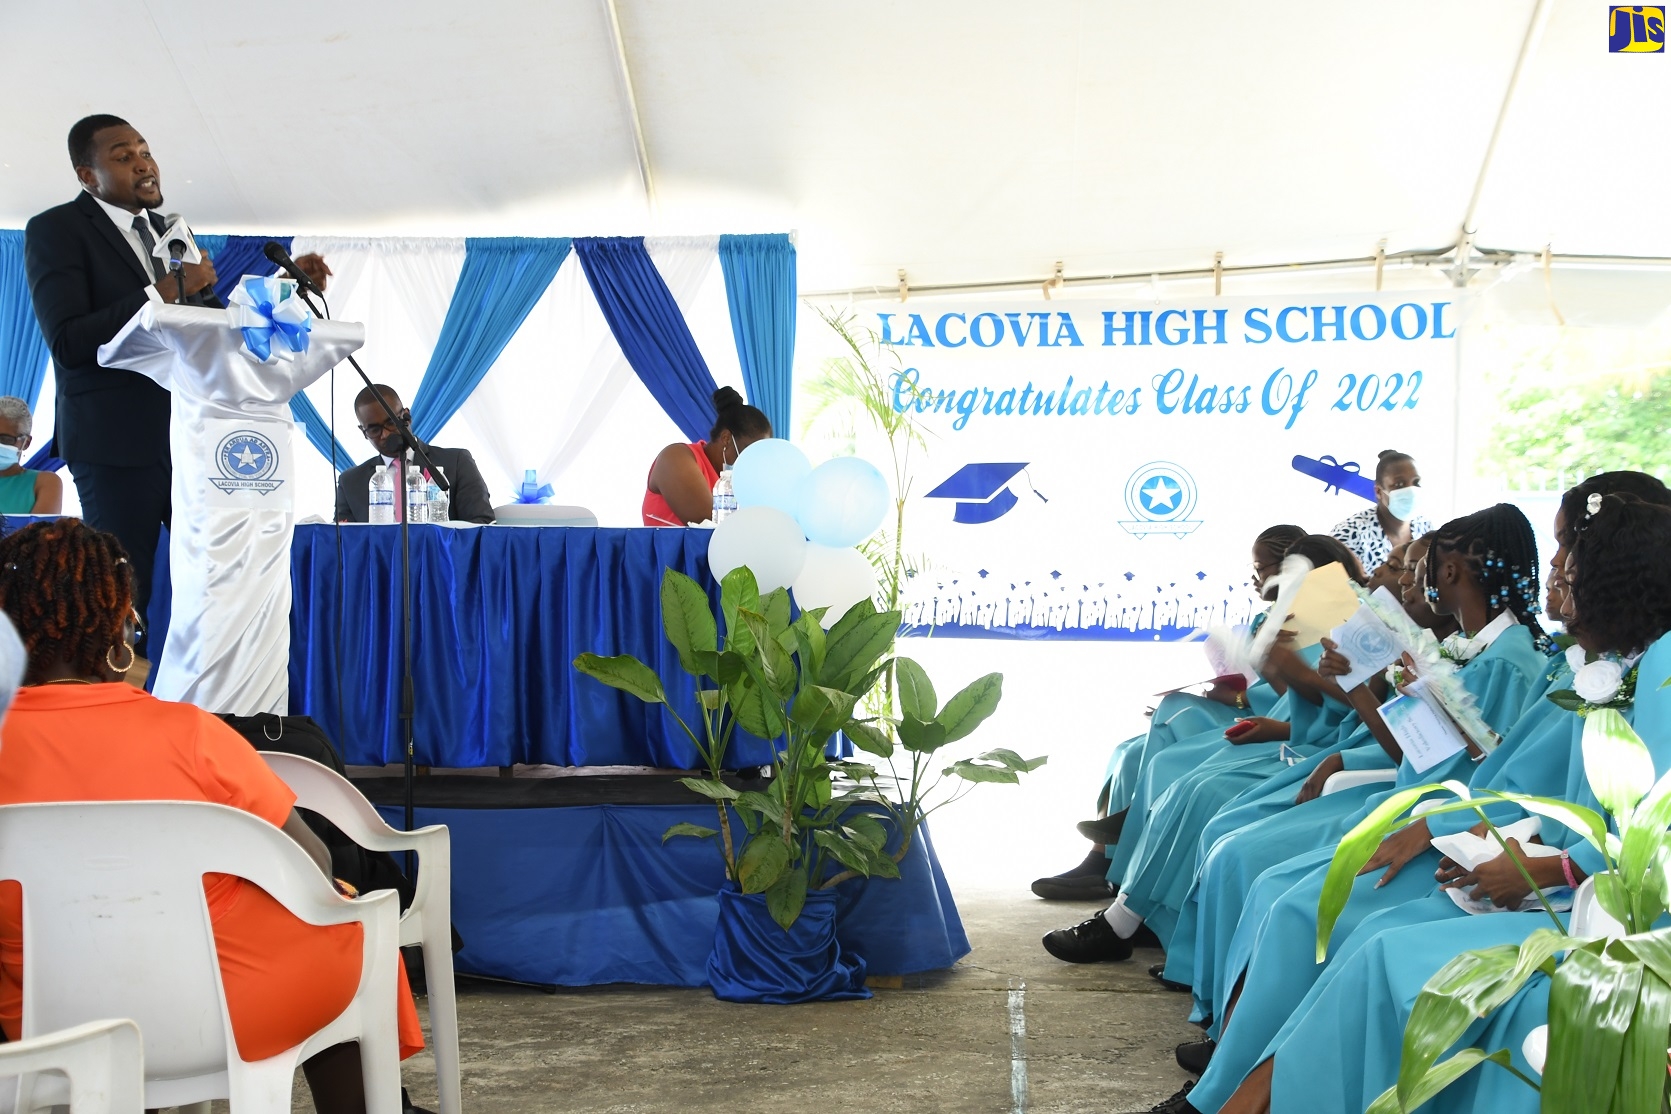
x,y
562,399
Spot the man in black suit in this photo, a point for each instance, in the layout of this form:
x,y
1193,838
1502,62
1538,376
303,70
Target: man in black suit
x,y
90,268
467,501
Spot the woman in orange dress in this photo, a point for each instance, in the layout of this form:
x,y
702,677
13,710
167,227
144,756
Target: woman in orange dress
x,y
77,732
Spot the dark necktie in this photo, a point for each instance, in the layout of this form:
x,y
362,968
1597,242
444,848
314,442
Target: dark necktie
x,y
149,242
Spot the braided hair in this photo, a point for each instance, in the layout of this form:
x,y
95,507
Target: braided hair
x,y
1278,538
68,589
1502,554
1622,591
1639,484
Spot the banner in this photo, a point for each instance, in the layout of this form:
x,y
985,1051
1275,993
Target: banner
x,y
1099,470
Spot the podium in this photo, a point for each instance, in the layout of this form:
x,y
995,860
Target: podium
x,y
234,513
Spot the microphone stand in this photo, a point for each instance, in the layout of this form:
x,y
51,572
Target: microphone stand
x,y
407,687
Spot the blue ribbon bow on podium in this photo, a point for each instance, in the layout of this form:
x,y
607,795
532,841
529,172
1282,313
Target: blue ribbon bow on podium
x,y
532,491
265,308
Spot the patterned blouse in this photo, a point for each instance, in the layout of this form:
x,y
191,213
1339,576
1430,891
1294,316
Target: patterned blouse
x,y
1362,534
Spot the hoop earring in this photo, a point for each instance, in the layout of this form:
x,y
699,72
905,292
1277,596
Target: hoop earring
x,y
110,656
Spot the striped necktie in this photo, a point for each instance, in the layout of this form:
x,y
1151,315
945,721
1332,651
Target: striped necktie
x,y
149,242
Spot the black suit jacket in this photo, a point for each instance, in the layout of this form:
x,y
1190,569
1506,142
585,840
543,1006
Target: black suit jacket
x,y
86,283
466,502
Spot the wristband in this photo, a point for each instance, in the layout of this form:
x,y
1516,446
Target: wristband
x,y
1566,870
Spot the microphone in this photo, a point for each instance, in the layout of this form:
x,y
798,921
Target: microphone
x,y
276,255
176,252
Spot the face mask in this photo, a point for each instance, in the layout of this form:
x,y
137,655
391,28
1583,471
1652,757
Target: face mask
x,y
9,455
1402,503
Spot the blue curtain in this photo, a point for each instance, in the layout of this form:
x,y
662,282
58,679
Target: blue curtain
x,y
650,329
22,348
760,289
501,280
235,257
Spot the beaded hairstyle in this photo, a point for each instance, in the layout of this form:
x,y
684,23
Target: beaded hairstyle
x,y
1574,504
1502,554
68,589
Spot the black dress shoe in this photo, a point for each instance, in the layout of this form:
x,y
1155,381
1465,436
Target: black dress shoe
x,y
1085,882
1177,1104
1195,1056
1145,937
406,1104
1091,941
1083,887
1106,830
1157,971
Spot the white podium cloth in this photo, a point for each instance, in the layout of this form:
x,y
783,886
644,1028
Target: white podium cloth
x,y
228,648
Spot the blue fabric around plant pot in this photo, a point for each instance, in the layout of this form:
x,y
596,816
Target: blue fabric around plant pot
x,y
755,960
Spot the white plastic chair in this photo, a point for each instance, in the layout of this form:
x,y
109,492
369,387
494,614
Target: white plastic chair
x,y
543,514
1351,779
427,922
102,1060
1588,919
115,922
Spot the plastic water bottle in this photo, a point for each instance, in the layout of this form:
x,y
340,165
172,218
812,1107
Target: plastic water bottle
x,y
725,497
416,505
380,497
436,499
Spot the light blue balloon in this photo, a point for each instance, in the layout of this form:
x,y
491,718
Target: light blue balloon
x,y
768,474
842,502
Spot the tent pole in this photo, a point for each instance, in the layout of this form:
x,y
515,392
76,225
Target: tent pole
x,y
1528,46
624,73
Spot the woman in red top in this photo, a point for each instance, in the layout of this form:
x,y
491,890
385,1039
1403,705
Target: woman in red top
x,y
76,732
680,491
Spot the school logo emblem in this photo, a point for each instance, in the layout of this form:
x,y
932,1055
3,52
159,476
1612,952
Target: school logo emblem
x,y
1160,496
247,461
1635,29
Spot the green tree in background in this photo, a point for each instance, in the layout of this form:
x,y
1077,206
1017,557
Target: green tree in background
x,y
1586,426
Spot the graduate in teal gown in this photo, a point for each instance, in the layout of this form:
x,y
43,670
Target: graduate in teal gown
x,y
1481,569
1358,1009
1267,824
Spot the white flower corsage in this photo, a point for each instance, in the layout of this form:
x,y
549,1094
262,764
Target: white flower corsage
x,y
1601,682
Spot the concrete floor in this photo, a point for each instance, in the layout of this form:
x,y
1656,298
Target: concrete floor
x,y
1098,1038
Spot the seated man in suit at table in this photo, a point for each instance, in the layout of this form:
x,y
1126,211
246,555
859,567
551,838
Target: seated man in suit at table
x,y
467,501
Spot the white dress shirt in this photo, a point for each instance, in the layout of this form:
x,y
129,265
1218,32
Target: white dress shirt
x,y
123,220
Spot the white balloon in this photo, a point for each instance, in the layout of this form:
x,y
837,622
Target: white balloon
x,y
833,578
765,539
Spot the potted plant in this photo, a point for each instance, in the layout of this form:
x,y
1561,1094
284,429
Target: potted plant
x,y
1610,996
820,820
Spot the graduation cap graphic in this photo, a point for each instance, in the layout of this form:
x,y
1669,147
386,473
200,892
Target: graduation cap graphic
x,y
982,491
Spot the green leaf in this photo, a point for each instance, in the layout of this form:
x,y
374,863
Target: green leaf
x,y
974,771
868,738
1013,761
626,673
774,605
1437,1078
763,862
786,897
755,705
821,711
752,800
738,591
866,830
1592,999
1619,768
1460,992
713,790
854,771
855,643
1654,950
916,691
1353,852
688,619
1642,1067
682,829
970,708
924,738
1566,698
728,667
851,855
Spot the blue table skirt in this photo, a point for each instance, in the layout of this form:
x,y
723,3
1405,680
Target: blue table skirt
x,y
499,614
586,895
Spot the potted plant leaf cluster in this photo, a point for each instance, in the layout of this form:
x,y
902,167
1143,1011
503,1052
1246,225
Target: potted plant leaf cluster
x,y
1610,995
819,820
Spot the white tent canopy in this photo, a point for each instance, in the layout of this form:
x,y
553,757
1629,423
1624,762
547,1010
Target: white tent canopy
x,y
962,141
